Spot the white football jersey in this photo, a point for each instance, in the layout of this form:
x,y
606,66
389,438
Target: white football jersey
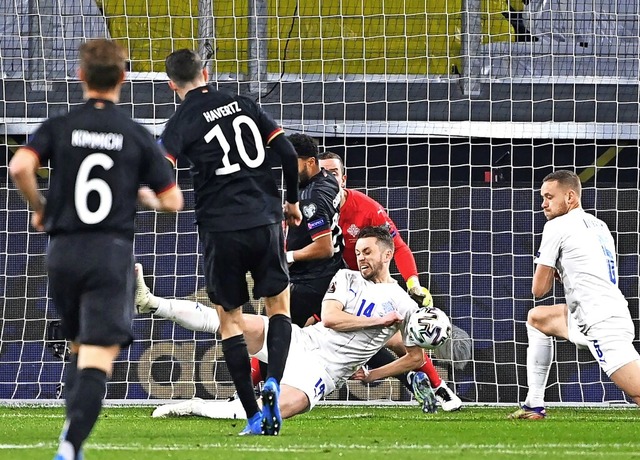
x,y
581,248
345,352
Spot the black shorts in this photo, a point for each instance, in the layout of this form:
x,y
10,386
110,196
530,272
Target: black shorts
x,y
306,298
228,256
92,284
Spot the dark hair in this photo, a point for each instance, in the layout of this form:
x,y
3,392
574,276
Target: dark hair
x,y
183,66
305,145
381,233
567,179
103,63
332,156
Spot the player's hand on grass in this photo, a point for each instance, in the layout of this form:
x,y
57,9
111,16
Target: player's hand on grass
x,y
419,294
292,214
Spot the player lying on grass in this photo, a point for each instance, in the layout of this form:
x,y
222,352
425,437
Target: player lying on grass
x,y
577,248
361,311
357,211
197,316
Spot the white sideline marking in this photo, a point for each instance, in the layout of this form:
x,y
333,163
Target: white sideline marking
x,y
128,416
519,449
59,416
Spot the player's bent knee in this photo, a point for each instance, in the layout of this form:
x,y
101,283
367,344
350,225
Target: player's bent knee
x,y
277,310
627,378
535,317
546,318
97,357
278,304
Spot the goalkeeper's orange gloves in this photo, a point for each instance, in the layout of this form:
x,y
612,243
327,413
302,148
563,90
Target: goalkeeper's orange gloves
x,y
419,294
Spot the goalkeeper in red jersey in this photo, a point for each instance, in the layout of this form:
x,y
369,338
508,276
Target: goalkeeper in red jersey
x,y
358,211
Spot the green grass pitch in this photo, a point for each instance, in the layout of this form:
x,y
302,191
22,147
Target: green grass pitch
x,y
351,432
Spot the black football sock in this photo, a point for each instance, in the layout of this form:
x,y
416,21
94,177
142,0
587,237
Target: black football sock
x,y
237,358
70,376
278,342
383,357
85,405
263,370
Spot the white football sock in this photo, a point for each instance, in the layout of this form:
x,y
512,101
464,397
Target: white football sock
x,y
188,314
66,451
221,409
539,356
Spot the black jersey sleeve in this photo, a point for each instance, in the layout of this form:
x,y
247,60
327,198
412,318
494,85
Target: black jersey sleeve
x,y
318,215
289,158
42,141
156,170
171,140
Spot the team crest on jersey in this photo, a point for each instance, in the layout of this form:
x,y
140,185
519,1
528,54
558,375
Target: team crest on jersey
x,y
353,230
387,307
309,210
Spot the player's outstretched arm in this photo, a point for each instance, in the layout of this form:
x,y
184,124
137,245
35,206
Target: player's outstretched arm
x,y
320,248
414,359
406,264
418,293
289,157
334,317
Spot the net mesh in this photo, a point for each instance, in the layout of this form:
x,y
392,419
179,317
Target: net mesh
x,y
448,113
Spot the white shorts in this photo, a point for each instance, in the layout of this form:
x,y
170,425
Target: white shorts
x,y
610,342
302,371
575,336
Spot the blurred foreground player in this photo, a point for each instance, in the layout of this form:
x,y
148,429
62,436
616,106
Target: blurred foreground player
x,y
99,157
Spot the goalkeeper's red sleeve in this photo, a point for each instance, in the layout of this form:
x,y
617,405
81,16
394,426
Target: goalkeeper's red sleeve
x,y
256,374
429,369
404,258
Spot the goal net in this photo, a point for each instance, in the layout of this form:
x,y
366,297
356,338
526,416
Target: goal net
x,y
449,113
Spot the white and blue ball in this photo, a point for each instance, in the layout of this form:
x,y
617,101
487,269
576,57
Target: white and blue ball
x,y
429,328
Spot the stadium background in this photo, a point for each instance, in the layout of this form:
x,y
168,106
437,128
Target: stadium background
x,y
466,203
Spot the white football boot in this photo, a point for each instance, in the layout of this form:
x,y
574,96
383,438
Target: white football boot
x,y
144,299
449,401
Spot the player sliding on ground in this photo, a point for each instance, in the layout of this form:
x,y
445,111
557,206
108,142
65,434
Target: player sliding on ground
x,y
357,211
361,311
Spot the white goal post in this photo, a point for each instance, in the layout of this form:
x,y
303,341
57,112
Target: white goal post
x,y
449,113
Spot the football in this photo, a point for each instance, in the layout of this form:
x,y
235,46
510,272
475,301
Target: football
x,y
429,328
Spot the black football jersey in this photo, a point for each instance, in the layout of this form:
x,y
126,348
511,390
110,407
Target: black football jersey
x,y
319,204
223,136
99,157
